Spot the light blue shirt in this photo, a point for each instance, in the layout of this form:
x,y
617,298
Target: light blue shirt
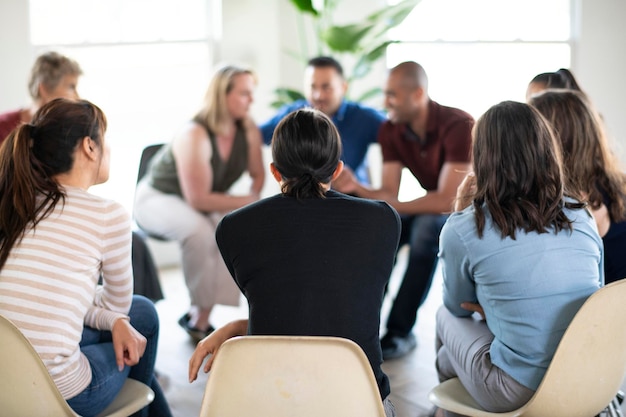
x,y
530,288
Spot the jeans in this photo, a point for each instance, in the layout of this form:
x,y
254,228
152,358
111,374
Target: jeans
x,y
107,380
421,232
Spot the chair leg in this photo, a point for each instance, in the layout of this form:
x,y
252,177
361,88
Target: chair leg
x,y
616,405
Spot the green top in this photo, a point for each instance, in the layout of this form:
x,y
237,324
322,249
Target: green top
x,y
162,174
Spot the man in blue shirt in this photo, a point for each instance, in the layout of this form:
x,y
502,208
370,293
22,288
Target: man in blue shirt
x,y
325,88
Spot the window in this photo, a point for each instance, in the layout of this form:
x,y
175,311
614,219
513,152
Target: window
x,y
146,63
480,52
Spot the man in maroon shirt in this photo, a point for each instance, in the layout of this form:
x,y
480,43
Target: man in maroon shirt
x,y
52,76
433,142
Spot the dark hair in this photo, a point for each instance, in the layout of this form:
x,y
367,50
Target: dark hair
x,y
30,158
306,149
590,166
562,78
517,162
325,62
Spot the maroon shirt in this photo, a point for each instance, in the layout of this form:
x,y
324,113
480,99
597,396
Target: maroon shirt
x,y
448,139
8,122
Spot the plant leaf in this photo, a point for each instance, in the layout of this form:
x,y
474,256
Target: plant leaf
x,y
346,38
364,64
371,93
305,6
394,15
288,95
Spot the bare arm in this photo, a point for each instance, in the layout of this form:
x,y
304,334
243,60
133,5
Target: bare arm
x,y
255,157
391,174
440,200
192,152
211,344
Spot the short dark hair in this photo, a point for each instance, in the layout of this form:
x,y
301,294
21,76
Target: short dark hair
x,y
306,149
325,62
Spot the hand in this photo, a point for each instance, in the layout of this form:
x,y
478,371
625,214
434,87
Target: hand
x,y
474,307
211,344
128,344
346,182
465,192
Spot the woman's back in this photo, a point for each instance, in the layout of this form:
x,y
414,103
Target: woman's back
x,y
314,266
530,287
48,283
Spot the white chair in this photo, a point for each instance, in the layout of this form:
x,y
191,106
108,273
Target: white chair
x,y
27,390
282,376
585,374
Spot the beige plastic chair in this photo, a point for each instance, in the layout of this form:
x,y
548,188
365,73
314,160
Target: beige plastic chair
x,y
585,374
282,376
27,390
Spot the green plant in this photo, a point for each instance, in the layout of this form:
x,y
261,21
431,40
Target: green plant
x,y
366,40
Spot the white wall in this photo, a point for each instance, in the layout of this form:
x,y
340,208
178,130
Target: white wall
x,y
599,62
16,54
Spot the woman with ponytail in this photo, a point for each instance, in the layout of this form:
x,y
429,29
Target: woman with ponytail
x,y
56,242
310,261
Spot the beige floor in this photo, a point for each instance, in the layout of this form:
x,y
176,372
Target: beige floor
x,y
411,377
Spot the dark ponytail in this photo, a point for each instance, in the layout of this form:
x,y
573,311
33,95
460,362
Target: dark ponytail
x,y
32,156
561,79
306,149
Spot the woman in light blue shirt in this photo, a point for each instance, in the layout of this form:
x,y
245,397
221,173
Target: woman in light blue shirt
x,y
521,253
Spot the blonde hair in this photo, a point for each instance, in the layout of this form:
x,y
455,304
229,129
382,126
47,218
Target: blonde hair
x,y
214,113
48,70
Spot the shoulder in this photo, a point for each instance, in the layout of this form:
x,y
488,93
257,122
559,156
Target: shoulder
x,y
11,116
452,114
354,109
83,203
363,206
191,137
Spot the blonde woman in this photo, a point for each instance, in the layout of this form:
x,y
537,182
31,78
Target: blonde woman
x,y
186,190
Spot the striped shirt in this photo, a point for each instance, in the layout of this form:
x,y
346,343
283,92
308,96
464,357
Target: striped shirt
x,y
48,286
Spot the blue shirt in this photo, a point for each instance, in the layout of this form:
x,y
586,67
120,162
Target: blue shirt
x,y
530,288
357,124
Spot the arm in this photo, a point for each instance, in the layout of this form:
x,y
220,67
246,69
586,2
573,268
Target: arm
x,y
391,173
440,200
192,152
112,299
458,285
211,344
255,157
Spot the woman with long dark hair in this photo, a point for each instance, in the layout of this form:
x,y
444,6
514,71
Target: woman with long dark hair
x,y
56,241
310,261
591,169
522,253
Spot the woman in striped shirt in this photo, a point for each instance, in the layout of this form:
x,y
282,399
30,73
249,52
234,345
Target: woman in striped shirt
x,y
56,241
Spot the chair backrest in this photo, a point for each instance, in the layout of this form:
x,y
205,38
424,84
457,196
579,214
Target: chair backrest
x,y
590,362
146,156
291,376
27,390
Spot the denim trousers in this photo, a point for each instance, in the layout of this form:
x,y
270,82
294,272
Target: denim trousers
x,y
421,233
107,380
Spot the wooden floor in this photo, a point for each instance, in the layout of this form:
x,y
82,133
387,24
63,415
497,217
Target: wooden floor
x,y
411,377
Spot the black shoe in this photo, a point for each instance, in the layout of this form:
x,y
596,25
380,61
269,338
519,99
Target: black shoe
x,y
195,333
395,346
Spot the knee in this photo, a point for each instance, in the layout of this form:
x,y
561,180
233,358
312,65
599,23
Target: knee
x,y
143,316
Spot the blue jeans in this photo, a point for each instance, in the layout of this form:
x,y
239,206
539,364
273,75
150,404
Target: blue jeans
x,y
421,232
107,380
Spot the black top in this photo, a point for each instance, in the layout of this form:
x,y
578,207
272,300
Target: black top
x,y
315,267
614,244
